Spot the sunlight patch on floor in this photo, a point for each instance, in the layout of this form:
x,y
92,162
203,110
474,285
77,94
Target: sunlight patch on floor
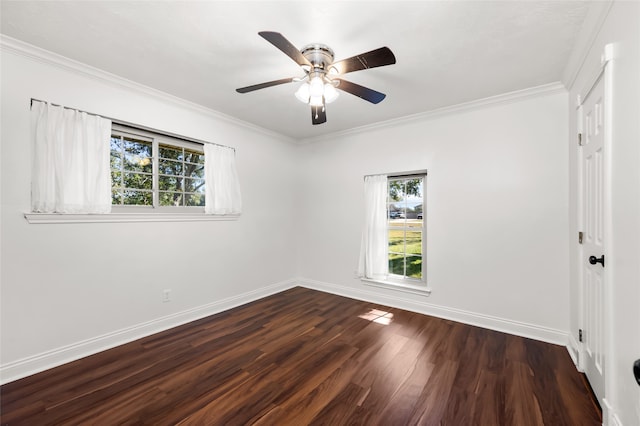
x,y
378,316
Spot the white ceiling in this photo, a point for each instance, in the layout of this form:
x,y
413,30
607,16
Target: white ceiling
x,y
448,52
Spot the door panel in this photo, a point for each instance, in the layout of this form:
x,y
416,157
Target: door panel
x,y
593,184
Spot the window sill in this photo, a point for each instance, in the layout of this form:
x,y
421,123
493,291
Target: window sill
x,y
393,285
48,218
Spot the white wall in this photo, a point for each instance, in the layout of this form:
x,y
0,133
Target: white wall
x,y
65,283
622,30
496,202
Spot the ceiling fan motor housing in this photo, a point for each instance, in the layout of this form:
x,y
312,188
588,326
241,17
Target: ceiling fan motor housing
x,y
320,55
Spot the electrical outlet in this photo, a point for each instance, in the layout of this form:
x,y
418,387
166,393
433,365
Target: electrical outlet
x,y
166,295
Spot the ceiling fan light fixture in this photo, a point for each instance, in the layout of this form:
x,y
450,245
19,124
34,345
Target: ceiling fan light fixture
x,y
317,62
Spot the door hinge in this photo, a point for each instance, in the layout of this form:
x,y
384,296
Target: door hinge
x,y
580,235
580,335
580,139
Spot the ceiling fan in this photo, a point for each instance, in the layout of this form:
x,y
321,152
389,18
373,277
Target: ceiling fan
x,y
322,74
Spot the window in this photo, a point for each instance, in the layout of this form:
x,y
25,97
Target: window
x,y
154,170
405,227
152,176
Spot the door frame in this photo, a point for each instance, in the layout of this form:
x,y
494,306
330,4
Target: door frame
x,y
604,72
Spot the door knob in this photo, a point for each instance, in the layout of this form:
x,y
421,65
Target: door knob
x,y
636,371
593,260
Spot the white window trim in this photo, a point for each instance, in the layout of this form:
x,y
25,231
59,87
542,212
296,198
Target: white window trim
x,y
397,282
156,139
403,286
49,218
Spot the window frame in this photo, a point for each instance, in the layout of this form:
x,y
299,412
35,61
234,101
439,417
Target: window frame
x,y
403,283
156,140
391,226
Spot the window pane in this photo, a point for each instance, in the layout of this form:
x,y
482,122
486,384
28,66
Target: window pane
x,y
193,157
194,200
396,264
116,197
414,242
170,198
414,187
414,266
137,147
169,167
138,198
194,170
137,181
136,163
396,213
116,178
193,185
116,144
115,161
170,183
396,190
396,240
171,152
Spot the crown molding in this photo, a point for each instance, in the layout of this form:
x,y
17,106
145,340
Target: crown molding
x,y
11,45
505,98
29,51
593,22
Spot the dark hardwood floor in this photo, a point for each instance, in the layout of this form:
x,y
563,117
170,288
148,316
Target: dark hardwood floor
x,y
305,357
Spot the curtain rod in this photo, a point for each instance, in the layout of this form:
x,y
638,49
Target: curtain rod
x,y
400,174
135,126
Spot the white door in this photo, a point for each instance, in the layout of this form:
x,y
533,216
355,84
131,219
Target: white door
x,y
593,261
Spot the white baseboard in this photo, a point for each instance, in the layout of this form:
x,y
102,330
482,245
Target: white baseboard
x,y
418,305
34,364
573,347
614,421
609,416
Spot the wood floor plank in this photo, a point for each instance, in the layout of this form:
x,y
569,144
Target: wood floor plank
x,y
305,357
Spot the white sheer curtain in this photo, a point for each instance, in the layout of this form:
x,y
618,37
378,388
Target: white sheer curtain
x,y
374,262
70,169
222,194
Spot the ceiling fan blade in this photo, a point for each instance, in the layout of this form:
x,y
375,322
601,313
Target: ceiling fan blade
x,y
360,91
285,46
264,85
318,115
375,58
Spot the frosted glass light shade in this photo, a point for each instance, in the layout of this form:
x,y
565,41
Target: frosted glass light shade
x,y
303,93
330,93
316,87
315,101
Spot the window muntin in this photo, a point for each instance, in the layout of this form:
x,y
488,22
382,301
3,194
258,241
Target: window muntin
x,y
156,170
405,227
